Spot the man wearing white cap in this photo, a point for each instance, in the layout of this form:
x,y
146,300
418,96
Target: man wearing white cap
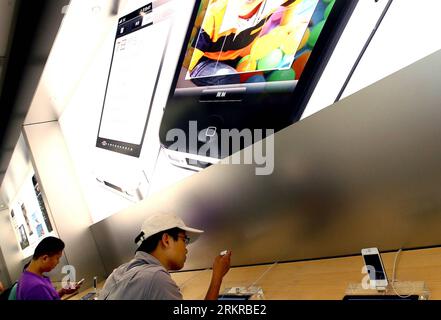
x,y
162,246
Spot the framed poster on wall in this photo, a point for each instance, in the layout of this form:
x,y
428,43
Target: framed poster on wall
x,y
24,242
29,216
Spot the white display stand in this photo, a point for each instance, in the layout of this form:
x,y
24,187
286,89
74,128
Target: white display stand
x,y
253,292
400,288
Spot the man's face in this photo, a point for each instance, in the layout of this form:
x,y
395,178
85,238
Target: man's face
x,y
50,262
179,252
249,8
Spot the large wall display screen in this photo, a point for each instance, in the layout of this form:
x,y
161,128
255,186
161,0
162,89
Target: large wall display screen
x,y
252,63
137,56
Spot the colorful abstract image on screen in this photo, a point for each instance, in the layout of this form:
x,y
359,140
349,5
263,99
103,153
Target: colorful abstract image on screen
x,y
252,41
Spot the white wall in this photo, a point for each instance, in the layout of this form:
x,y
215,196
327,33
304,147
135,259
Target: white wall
x,y
83,110
11,185
10,249
16,173
4,274
70,214
408,33
393,48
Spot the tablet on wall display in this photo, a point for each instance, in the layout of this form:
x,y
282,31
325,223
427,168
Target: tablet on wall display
x,y
251,64
139,46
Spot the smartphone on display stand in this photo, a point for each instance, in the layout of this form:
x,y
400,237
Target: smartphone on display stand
x,y
375,268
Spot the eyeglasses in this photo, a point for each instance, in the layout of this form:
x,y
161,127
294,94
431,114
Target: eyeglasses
x,y
185,238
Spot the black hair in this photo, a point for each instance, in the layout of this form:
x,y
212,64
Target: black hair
x,y
48,246
150,244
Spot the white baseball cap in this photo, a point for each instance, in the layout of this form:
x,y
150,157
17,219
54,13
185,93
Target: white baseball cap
x,y
162,221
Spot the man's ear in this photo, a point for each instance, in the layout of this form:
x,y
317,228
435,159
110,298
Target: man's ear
x,y
44,258
165,240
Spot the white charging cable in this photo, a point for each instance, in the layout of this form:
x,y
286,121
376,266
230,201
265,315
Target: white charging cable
x,y
262,275
394,279
182,285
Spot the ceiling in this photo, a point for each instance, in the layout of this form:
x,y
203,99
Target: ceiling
x,y
6,13
27,32
6,18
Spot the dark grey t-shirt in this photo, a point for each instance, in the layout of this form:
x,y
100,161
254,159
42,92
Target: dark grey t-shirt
x,y
143,278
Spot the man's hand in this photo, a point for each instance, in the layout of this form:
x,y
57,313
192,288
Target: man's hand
x,y
221,266
69,290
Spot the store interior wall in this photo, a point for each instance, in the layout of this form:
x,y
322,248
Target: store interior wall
x,y
406,35
12,183
4,274
77,100
12,188
69,211
10,250
381,59
361,173
84,108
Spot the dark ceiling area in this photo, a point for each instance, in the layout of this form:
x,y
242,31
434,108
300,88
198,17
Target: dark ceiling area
x,y
35,25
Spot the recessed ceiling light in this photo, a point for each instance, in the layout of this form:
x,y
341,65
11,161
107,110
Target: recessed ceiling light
x,y
96,9
64,9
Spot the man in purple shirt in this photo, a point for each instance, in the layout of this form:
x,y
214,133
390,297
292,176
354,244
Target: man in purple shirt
x,y
33,285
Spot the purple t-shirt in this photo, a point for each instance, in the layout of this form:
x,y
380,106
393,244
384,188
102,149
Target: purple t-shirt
x,y
33,287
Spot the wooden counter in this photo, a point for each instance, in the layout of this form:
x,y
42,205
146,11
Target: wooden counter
x,y
318,279
312,280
